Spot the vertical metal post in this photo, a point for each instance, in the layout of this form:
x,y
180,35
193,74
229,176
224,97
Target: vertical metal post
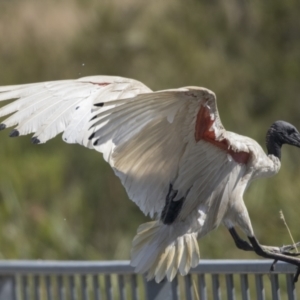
x,y
230,287
7,288
290,286
216,287
260,290
135,288
158,291
245,287
275,287
202,287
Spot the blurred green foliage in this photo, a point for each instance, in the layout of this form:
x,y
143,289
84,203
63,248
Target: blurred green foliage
x,y
63,202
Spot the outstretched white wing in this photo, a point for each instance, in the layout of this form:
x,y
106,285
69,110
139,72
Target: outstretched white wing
x,y
49,108
169,148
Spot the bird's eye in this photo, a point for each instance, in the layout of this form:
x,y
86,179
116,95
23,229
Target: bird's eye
x,y
291,131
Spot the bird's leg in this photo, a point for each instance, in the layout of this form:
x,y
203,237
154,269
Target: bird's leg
x,y
239,242
241,218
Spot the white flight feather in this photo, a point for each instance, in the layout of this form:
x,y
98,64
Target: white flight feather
x,y
29,105
33,122
24,112
13,92
58,120
22,102
76,131
8,88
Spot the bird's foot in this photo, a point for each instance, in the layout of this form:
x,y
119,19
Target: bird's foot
x,y
244,245
278,254
286,250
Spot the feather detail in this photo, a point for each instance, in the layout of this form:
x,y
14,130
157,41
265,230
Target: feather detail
x,y
158,250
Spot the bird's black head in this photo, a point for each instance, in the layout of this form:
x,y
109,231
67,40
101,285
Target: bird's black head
x,y
280,133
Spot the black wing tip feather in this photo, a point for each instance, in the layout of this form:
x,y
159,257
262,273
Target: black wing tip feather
x,y
14,133
2,126
99,104
92,135
35,140
93,118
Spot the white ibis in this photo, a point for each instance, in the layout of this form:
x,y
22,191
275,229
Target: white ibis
x,y
171,152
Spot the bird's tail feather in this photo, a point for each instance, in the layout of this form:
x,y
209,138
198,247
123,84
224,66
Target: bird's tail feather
x,y
158,250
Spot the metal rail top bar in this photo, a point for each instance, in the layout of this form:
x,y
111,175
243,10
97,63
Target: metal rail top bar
x,y
123,267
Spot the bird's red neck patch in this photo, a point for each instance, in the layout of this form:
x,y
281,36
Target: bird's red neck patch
x,y
204,123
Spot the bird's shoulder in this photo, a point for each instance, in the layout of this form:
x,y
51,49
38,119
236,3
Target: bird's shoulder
x,y
259,164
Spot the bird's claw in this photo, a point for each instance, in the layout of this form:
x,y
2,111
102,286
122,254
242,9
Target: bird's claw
x,y
288,248
285,250
272,268
297,275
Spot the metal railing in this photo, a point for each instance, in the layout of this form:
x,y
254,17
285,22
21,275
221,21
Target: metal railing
x,y
110,280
